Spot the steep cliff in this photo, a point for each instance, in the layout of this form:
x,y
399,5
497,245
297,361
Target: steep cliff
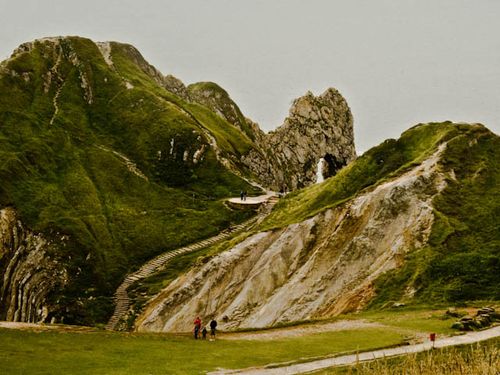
x,y
372,234
30,271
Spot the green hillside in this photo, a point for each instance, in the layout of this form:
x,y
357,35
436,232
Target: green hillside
x,y
219,101
462,259
68,120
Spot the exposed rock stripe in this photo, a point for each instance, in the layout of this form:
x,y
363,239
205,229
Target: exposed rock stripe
x,y
55,72
105,49
131,166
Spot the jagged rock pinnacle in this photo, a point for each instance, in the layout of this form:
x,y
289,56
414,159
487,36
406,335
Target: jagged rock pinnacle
x,y
317,127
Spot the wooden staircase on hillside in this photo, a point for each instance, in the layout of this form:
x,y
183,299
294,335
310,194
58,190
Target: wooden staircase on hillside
x,y
148,269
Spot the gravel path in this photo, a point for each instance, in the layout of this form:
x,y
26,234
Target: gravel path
x,y
306,367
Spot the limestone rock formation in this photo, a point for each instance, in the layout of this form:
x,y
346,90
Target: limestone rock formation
x,y
317,127
317,268
29,270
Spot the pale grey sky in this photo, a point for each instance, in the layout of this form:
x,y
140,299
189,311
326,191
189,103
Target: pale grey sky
x,y
397,62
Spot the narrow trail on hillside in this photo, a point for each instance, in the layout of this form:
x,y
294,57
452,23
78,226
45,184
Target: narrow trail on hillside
x,y
131,166
303,330
344,360
149,268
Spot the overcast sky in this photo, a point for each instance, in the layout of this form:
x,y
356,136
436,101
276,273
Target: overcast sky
x,y
397,62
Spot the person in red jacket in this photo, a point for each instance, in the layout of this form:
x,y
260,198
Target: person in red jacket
x,y
197,327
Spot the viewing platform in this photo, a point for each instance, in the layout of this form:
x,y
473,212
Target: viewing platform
x,y
252,203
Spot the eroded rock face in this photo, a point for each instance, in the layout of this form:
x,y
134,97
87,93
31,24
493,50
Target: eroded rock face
x,y
286,159
29,272
317,268
317,127
175,86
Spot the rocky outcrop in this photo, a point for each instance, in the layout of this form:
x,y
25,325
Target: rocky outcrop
x,y
29,271
318,127
323,266
175,86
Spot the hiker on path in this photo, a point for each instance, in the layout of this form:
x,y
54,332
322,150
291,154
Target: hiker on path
x,y
197,327
204,333
245,195
213,326
242,195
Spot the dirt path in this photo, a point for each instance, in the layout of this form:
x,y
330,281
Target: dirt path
x,y
273,334
307,367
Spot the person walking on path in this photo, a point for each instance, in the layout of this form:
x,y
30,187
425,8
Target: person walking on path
x,y
204,333
213,326
197,327
245,195
242,195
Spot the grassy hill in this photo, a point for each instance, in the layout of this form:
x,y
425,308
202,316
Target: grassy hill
x,y
462,258
102,152
96,148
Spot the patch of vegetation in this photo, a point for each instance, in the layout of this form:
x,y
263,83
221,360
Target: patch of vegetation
x,y
66,177
221,102
229,138
480,358
412,319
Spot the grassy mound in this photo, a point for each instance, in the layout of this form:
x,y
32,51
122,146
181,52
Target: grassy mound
x,y
462,259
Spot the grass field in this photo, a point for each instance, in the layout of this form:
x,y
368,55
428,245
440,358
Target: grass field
x,y
99,352
29,352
